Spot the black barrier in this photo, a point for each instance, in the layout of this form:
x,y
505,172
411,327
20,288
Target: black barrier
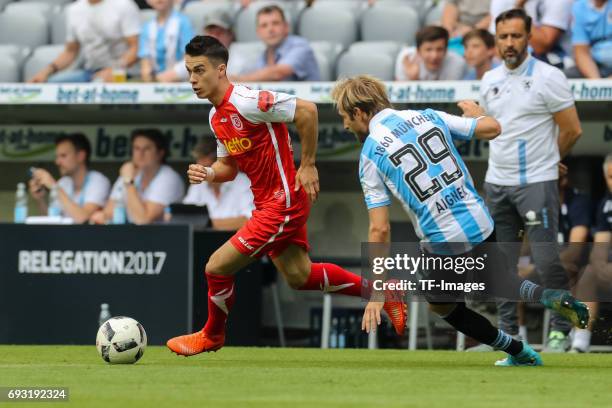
x,y
53,280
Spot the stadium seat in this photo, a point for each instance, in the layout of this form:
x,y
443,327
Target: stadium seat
x,y
41,57
331,50
50,2
245,23
29,7
433,14
248,51
327,24
196,10
390,48
377,64
58,27
356,7
4,3
325,66
16,52
30,30
385,23
9,69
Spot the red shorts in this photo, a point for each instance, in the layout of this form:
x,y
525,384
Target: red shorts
x,y
270,231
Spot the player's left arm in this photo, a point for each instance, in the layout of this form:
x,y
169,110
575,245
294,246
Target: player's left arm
x,y
486,127
569,129
306,120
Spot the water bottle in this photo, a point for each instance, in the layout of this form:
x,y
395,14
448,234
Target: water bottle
x,y
104,314
119,214
342,333
54,209
333,340
21,204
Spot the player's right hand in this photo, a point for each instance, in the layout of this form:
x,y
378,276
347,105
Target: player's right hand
x,y
197,174
371,316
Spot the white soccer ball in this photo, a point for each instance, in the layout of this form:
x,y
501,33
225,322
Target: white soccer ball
x,y
121,340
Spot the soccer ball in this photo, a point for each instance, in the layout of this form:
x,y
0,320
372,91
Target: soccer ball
x,y
121,340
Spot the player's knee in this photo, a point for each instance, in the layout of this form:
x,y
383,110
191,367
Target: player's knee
x,y
213,267
296,279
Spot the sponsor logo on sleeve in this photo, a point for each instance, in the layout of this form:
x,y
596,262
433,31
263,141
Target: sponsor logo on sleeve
x,y
265,101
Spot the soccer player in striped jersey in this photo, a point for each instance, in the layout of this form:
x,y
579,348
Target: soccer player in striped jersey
x,y
251,131
410,154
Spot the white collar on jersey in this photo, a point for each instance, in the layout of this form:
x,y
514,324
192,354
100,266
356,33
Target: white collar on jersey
x,y
377,118
521,68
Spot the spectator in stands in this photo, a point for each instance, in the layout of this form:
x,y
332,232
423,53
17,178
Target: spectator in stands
x,y
287,57
162,41
146,185
598,275
479,45
229,204
592,39
217,24
105,33
430,60
80,191
551,32
459,17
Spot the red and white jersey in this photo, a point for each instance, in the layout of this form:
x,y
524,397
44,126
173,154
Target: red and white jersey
x,y
250,127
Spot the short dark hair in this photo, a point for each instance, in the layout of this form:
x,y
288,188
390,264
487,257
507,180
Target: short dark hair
x,y
487,38
206,147
79,141
272,8
431,33
207,46
515,13
154,135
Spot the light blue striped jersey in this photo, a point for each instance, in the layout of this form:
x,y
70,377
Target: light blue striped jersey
x,y
411,155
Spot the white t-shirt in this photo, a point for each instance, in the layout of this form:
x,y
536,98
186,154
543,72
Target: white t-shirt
x,y
524,101
553,13
235,198
166,187
95,189
453,68
100,29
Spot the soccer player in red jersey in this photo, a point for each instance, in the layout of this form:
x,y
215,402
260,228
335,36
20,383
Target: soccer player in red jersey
x,y
251,131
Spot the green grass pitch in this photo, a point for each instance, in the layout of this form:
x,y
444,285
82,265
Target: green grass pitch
x,y
290,378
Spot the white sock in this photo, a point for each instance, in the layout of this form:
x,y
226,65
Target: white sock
x,y
582,339
523,333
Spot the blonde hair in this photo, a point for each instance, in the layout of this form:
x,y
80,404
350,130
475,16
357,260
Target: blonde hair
x,y
362,91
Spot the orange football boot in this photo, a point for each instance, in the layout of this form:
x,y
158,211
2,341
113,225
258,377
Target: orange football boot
x,y
195,343
396,309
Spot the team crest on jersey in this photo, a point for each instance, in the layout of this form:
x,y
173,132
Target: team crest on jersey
x,y
236,121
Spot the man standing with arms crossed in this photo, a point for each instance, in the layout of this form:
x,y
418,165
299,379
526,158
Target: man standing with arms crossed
x,y
251,131
534,104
